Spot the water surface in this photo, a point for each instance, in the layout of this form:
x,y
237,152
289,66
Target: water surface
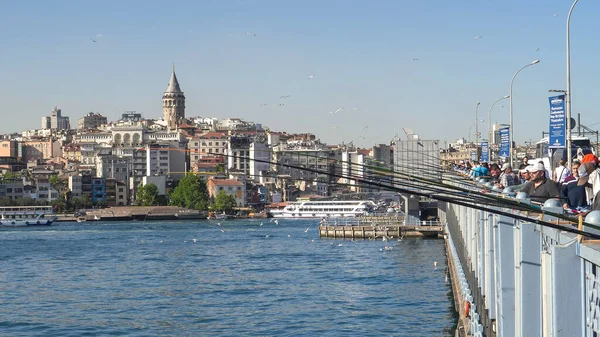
x,y
210,278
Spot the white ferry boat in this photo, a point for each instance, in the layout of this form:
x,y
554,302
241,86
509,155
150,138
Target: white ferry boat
x,y
20,216
324,209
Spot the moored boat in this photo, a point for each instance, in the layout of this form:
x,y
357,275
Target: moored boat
x,y
324,209
21,216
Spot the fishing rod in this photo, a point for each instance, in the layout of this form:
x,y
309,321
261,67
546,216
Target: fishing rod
x,y
411,181
507,203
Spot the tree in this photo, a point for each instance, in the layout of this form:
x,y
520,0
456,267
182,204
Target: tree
x,y
147,195
223,202
59,204
191,192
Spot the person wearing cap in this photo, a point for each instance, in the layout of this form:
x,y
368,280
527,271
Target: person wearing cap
x,y
574,196
589,177
525,178
561,172
507,177
540,188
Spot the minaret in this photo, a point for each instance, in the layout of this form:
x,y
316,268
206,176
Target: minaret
x,y
173,103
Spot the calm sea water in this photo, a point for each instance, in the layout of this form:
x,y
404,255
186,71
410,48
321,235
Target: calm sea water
x,y
239,278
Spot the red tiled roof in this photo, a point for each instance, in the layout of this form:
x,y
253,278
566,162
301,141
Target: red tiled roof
x,y
226,182
209,135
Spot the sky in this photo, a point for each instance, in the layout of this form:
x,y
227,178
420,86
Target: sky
x,y
383,65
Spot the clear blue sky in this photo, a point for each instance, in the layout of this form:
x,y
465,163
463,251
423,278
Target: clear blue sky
x,y
360,52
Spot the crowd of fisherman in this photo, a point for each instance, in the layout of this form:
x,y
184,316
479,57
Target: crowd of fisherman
x,y
577,187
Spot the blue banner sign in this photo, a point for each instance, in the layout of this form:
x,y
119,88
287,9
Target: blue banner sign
x,y
473,156
485,152
557,122
504,143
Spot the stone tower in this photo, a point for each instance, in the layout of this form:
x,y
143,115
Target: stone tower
x,y
173,103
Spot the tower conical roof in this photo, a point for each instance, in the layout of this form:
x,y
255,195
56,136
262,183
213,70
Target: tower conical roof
x,y
173,83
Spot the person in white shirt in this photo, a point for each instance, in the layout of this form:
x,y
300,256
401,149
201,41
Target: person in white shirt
x,y
561,172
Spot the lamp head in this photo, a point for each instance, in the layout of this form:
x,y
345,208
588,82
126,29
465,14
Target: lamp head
x,y
507,96
478,102
534,62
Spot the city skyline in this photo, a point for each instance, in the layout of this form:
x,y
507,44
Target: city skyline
x,y
389,65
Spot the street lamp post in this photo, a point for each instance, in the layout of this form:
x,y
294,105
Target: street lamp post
x,y
490,117
512,131
568,93
477,130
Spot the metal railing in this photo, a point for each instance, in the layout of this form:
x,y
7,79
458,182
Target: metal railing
x,y
521,278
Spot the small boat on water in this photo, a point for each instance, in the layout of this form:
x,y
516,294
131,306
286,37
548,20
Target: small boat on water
x,y
219,216
21,216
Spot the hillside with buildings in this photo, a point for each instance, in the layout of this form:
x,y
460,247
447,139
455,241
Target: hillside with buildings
x,y
104,163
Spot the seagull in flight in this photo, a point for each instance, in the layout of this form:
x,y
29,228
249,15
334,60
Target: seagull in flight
x,y
286,96
311,76
265,104
336,111
92,40
415,59
281,104
478,37
251,34
306,230
555,14
537,49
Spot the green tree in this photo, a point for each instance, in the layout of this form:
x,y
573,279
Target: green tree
x,y
59,204
6,201
147,195
191,192
24,202
55,182
223,202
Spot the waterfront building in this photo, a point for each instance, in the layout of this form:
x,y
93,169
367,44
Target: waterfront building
x,y
110,196
173,103
98,190
159,181
91,121
230,186
114,167
243,149
207,144
11,188
416,155
303,155
383,153
76,186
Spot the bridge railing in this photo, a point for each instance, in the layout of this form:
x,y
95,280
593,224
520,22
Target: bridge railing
x,y
522,278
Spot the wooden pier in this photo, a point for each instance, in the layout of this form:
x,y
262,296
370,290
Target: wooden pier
x,y
381,231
